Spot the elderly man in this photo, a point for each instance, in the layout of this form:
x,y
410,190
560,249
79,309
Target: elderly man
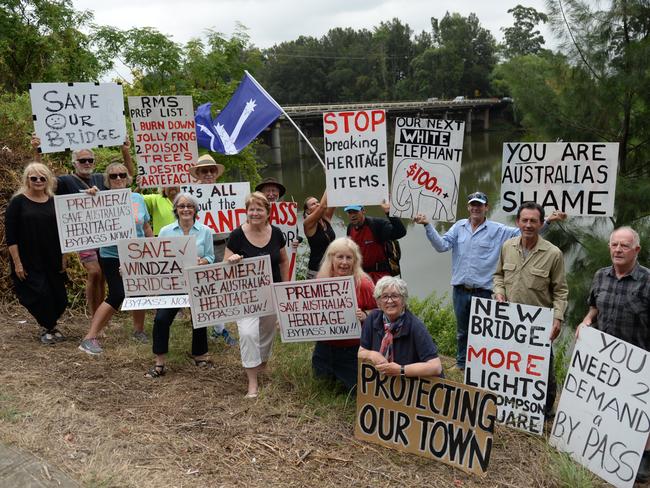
x,y
475,244
619,304
530,270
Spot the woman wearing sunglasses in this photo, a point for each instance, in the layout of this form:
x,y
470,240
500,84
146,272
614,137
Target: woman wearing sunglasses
x,y
116,177
37,267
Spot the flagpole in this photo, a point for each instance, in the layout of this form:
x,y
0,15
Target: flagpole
x,y
288,118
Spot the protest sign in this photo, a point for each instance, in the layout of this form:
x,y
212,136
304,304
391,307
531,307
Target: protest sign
x,y
603,417
284,215
575,177
164,133
426,168
355,157
428,416
221,205
155,266
509,352
69,116
154,303
317,310
88,222
224,292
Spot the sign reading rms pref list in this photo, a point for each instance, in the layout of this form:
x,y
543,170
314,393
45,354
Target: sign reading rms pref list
x,y
356,160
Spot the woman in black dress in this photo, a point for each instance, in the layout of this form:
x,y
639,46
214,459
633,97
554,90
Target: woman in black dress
x,y
318,229
37,267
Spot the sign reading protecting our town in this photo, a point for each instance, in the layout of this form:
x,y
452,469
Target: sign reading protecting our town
x,y
509,352
164,133
221,205
317,310
284,215
578,178
88,222
426,168
356,159
428,416
69,116
155,266
603,418
223,292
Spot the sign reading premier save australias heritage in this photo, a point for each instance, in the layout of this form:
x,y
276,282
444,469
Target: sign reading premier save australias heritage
x,y
578,178
426,168
221,205
356,160
69,116
427,416
164,133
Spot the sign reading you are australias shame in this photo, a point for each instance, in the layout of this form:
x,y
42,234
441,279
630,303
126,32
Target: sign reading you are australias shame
x,y
575,177
221,205
69,116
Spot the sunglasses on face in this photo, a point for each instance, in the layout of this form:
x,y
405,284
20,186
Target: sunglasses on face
x,y
207,170
184,206
38,178
85,161
114,176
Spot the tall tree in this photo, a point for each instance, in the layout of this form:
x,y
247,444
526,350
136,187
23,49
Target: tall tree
x,y
523,37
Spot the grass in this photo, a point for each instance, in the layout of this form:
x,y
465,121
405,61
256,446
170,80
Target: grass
x,y
569,474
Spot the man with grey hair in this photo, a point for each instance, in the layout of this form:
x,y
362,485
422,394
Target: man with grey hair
x,y
619,304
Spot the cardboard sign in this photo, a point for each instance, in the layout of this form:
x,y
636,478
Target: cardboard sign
x,y
284,215
426,168
69,116
356,160
89,222
317,310
578,178
428,416
509,352
224,292
221,205
603,417
155,266
164,133
154,303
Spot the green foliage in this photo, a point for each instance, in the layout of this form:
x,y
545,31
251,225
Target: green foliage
x,y
438,315
566,473
522,38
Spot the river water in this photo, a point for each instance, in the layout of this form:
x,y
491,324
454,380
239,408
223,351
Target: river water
x,y
424,269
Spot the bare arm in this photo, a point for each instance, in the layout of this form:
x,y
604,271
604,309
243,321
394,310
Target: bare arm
x,y
148,231
36,143
311,221
432,367
18,265
373,356
126,155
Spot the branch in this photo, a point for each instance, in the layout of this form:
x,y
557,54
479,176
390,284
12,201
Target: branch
x,y
575,43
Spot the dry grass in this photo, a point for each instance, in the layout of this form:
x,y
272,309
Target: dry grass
x,y
103,423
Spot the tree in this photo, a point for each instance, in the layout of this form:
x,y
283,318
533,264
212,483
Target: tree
x,y
523,38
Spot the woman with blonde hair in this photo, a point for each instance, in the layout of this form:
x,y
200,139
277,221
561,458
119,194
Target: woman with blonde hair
x,y
337,360
37,266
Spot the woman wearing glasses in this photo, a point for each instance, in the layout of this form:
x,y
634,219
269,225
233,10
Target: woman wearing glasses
x,y
116,177
37,267
394,339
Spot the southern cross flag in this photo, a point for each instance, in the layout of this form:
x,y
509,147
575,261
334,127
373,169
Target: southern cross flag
x,y
249,112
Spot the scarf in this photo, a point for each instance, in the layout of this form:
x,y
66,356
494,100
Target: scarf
x,y
390,331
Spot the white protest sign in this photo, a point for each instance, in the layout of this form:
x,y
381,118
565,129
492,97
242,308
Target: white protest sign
x,y
164,133
155,265
356,160
154,303
509,352
603,417
578,178
77,115
316,310
426,168
221,205
88,222
284,215
224,292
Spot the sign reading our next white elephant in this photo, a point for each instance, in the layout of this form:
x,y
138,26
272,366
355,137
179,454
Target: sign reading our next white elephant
x,y
426,168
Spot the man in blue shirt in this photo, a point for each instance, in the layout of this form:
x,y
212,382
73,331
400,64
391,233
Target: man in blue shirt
x,y
475,245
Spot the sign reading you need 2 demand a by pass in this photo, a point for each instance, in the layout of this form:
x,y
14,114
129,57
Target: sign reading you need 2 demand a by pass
x,y
69,116
509,352
356,160
428,416
164,133
578,178
316,310
603,417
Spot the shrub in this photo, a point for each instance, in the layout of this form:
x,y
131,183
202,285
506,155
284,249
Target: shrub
x,y
438,315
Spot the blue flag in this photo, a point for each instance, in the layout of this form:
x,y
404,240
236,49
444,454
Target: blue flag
x,y
249,112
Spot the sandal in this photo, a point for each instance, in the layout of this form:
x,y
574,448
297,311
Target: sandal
x,y
201,362
58,337
156,372
47,338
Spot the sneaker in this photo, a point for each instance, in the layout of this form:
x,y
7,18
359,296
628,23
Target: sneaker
x,y
90,346
214,334
228,339
58,337
643,474
47,338
141,337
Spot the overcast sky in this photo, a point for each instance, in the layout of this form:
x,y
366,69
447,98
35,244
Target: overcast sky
x,y
271,22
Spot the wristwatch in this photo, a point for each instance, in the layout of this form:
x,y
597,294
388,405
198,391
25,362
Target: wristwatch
x,y
402,372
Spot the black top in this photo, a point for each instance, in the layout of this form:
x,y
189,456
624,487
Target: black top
x,y
68,184
32,226
238,244
318,244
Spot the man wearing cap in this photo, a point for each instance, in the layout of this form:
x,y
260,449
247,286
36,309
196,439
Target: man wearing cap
x,y
370,234
475,245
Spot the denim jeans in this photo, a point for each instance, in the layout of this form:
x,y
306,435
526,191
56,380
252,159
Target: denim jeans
x,y
462,304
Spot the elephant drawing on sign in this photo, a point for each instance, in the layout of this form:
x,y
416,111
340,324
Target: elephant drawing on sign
x,y
424,187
